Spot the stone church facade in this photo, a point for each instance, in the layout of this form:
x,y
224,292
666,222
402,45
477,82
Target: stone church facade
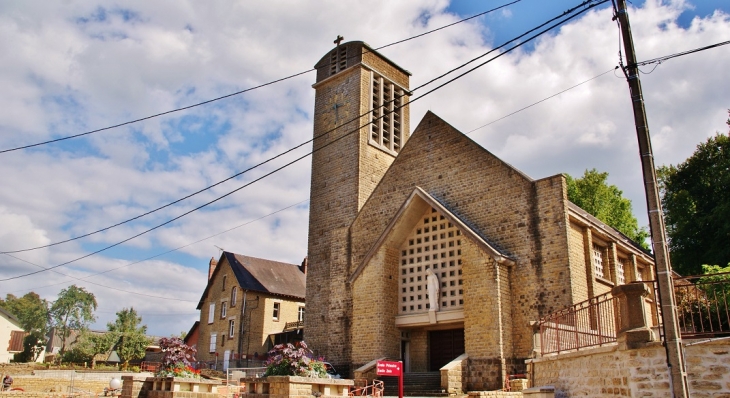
x,y
388,209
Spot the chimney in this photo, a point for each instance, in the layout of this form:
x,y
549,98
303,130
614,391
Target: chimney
x,y
303,267
211,267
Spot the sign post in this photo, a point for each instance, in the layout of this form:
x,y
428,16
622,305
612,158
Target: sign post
x,y
392,368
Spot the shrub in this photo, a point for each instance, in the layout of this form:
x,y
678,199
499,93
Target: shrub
x,y
294,360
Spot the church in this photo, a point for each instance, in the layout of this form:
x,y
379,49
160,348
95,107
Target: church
x,y
426,247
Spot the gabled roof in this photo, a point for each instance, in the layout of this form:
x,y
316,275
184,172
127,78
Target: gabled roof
x,y
12,318
409,214
577,211
261,275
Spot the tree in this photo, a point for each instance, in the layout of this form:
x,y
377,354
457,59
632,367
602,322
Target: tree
x,y
696,202
31,310
90,344
33,345
74,309
606,203
130,338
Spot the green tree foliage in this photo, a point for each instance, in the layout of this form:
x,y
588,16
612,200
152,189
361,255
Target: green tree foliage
x,y
90,344
606,203
130,338
33,345
696,202
73,309
31,310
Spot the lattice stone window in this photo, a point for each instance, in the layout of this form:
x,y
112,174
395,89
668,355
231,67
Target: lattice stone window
x,y
620,271
387,114
433,244
338,60
598,260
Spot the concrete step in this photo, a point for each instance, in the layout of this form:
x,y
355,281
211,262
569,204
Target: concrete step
x,y
423,384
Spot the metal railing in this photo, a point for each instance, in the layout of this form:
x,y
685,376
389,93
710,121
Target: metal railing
x,y
587,324
372,390
703,305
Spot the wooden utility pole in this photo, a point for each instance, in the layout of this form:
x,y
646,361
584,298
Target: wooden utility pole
x,y
672,337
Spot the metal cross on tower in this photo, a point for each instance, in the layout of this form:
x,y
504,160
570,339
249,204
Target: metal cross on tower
x,y
338,40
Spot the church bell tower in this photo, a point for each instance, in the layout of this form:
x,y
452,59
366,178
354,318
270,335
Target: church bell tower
x,y
360,125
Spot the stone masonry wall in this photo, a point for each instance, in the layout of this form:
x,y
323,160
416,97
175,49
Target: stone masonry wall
x,y
610,372
258,322
344,173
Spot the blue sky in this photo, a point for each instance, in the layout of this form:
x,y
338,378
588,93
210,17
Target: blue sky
x,y
90,64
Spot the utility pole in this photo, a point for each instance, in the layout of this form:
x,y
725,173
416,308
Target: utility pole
x,y
672,337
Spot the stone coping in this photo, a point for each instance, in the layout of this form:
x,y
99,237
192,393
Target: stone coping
x,y
299,380
175,379
455,362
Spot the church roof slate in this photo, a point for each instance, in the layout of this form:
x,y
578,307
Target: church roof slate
x,y
453,218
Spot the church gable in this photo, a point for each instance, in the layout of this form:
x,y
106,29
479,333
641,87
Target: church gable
x,y
480,189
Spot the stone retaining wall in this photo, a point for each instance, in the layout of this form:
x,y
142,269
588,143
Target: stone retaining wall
x,y
642,372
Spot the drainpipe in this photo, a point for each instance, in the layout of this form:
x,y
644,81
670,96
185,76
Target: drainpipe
x,y
240,328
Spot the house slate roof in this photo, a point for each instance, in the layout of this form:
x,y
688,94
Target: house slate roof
x,y
261,275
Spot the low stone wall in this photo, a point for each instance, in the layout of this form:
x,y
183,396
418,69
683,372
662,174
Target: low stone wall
x,y
452,375
79,382
295,387
641,372
168,387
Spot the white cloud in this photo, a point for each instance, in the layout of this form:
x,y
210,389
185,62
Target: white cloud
x,y
82,65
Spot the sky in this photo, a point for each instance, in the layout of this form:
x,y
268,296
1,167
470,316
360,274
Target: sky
x,y
76,66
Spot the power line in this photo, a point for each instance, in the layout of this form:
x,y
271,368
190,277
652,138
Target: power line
x,y
84,279
667,57
97,284
274,157
542,100
568,18
238,92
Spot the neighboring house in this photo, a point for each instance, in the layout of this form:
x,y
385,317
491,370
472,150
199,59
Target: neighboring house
x,y
191,338
11,336
249,305
387,210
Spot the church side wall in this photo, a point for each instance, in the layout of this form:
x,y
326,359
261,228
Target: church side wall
x,y
576,252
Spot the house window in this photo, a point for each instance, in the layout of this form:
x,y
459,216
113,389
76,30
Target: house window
x,y
598,261
211,312
300,316
234,295
225,278
277,308
387,114
620,273
231,328
224,309
433,245
213,341
639,273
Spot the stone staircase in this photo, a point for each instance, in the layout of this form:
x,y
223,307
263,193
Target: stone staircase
x,y
420,384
